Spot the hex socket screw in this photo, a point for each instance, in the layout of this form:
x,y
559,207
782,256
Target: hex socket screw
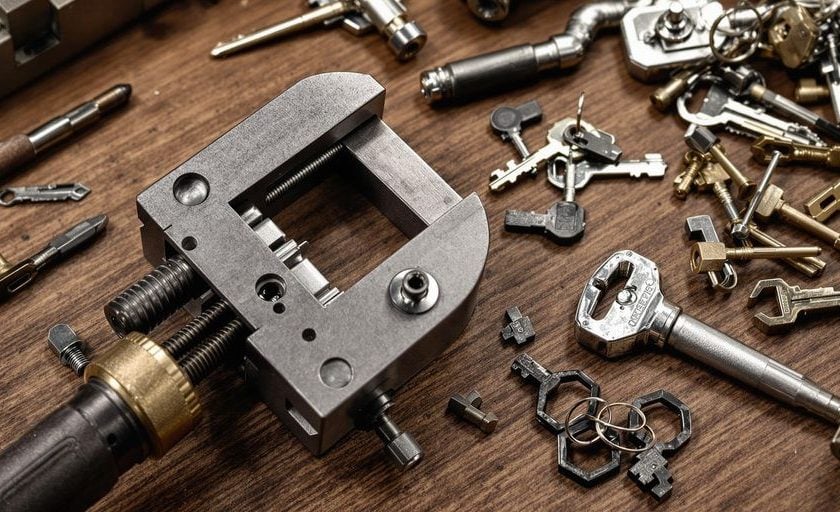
x,y
69,348
469,408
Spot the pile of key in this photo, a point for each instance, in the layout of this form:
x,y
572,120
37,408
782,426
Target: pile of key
x,y
575,153
735,100
650,466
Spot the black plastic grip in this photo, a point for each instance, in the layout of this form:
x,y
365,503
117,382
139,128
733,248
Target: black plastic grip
x,y
493,72
74,456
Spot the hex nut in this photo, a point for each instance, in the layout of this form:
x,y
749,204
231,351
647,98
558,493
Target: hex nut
x,y
700,138
707,257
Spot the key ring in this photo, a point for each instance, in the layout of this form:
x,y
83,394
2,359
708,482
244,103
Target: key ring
x,y
601,425
599,429
754,27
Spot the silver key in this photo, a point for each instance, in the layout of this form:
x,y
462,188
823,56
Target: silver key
x,y
38,194
652,166
720,109
556,147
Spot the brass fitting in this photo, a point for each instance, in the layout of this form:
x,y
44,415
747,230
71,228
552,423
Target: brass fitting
x,y
152,384
710,256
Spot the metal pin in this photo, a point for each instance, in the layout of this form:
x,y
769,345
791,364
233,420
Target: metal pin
x,y
741,229
579,111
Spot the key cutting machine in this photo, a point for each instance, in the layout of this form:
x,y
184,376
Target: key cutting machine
x,y
325,361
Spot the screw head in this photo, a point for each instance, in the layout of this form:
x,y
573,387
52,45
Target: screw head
x,y
62,338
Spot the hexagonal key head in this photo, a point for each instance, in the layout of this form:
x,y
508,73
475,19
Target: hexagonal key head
x,y
700,138
707,257
639,314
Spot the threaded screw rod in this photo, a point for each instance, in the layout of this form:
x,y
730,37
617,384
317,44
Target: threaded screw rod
x,y
199,327
212,352
154,298
303,173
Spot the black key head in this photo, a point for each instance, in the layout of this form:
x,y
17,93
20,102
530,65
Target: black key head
x,y
566,222
508,120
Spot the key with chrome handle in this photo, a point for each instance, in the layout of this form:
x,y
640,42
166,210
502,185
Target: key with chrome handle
x,y
642,316
10,196
793,302
405,38
721,109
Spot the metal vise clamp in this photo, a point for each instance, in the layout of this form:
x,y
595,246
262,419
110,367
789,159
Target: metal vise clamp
x,y
324,361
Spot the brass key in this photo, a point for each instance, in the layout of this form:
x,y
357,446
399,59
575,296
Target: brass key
x,y
811,266
825,203
793,153
773,203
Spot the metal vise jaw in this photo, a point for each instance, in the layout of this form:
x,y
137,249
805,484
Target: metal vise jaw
x,y
324,361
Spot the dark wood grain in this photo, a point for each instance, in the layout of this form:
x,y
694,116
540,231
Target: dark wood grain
x,y
747,452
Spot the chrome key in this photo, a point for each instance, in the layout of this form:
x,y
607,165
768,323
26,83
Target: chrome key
x,y
652,166
556,147
720,109
38,194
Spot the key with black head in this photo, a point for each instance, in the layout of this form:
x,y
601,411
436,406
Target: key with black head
x,y
509,121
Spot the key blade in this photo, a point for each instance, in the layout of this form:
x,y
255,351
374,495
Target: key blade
x,y
45,193
79,234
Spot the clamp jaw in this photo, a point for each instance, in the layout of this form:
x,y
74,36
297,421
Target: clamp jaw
x,y
325,356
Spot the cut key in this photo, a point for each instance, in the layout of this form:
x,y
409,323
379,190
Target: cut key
x,y
555,147
652,166
793,302
11,196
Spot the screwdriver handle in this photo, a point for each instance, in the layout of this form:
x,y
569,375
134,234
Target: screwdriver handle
x,y
73,457
15,152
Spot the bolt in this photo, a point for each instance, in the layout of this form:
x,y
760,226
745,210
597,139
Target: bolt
x,y
468,408
68,347
693,162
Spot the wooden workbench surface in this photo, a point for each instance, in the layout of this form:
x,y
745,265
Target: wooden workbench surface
x,y
747,452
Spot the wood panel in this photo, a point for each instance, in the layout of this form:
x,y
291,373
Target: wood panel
x,y
747,451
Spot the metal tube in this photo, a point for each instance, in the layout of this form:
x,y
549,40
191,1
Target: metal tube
x,y
727,355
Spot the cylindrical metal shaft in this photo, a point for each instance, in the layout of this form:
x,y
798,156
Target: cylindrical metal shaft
x,y
722,192
757,253
731,357
198,328
793,111
154,298
212,352
744,187
741,229
809,265
802,221
285,28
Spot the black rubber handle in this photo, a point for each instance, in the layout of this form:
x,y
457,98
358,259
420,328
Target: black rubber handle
x,y
493,72
73,457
